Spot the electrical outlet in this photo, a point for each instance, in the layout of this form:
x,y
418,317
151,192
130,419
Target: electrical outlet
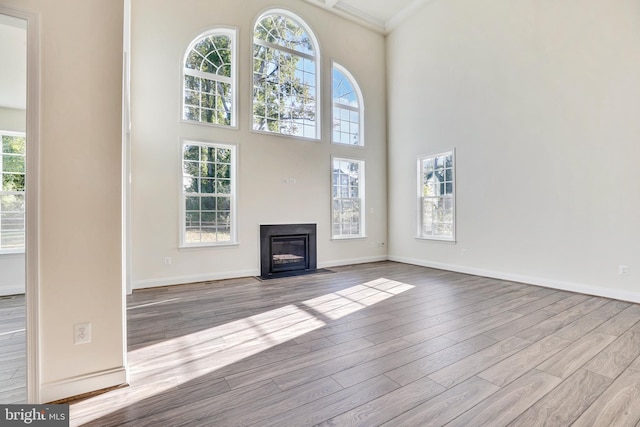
x,y
623,270
82,333
167,260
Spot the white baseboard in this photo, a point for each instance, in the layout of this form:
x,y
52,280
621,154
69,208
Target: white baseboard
x,y
181,280
82,384
12,290
538,281
341,262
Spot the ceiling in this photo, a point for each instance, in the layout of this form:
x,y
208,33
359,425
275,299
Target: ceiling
x,y
380,15
13,53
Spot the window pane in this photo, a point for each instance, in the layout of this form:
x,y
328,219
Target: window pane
x,y
191,152
209,99
284,83
437,202
192,203
13,144
205,213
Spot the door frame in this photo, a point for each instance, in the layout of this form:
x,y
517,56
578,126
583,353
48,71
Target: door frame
x,y
32,279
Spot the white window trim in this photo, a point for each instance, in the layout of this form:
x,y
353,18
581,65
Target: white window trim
x,y
360,109
419,207
234,196
361,191
12,251
317,58
232,32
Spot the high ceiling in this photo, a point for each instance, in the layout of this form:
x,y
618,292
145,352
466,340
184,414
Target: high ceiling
x,y
380,15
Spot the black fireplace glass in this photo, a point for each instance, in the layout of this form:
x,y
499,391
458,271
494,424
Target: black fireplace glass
x,y
289,253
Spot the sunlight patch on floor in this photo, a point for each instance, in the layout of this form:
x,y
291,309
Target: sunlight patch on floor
x,y
162,366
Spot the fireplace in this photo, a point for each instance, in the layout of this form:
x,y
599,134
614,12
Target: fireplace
x,y
287,250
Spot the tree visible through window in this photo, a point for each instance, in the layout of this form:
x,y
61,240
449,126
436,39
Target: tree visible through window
x,y
347,108
209,93
12,192
348,198
208,203
437,197
284,77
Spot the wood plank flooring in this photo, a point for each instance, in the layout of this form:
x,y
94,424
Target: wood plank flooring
x,y
381,344
13,350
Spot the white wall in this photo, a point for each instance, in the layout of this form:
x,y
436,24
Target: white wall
x,y
12,277
541,102
161,32
79,197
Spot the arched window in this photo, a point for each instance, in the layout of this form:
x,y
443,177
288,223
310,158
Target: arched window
x,y
347,111
285,76
209,93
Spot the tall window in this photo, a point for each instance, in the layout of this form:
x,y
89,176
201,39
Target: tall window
x,y
436,195
208,193
209,80
12,202
285,76
348,198
347,108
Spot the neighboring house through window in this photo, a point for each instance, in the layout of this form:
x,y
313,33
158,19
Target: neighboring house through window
x,y
347,198
436,195
209,194
12,192
347,108
285,76
209,91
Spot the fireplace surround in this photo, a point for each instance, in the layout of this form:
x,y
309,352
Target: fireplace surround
x,y
287,250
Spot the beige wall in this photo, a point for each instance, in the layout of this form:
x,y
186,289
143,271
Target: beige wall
x,y
79,202
161,32
540,100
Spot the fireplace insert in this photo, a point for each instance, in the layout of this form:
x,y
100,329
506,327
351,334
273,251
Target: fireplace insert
x,y
287,249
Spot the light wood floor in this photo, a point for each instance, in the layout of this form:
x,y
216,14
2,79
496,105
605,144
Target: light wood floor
x,y
13,350
377,344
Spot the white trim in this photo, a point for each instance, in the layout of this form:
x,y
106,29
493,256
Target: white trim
x,y
395,21
181,280
530,280
359,109
32,218
420,197
233,195
82,384
362,182
351,261
216,30
11,290
318,63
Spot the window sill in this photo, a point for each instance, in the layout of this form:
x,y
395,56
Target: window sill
x,y
284,135
11,252
436,239
348,237
209,246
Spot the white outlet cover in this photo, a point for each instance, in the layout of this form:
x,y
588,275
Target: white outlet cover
x,y
82,333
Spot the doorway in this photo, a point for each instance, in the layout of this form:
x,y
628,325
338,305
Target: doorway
x,y
13,121
19,144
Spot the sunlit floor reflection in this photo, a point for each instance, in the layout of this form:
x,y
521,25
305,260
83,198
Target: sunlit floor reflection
x,y
162,366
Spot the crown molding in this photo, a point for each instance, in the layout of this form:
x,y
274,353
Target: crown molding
x,y
361,17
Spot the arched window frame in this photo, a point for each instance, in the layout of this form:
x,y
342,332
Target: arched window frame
x,y
336,105
231,80
316,58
